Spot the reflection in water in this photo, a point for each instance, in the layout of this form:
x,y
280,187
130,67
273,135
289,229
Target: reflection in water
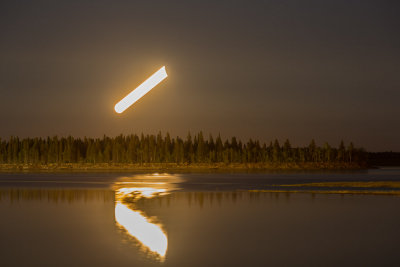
x,y
56,195
149,234
138,192
127,192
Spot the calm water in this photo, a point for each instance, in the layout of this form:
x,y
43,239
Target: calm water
x,y
194,220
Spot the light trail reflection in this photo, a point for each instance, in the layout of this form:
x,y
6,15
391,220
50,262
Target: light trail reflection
x,y
150,235
137,225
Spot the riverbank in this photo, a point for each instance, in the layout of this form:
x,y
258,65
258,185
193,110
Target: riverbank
x,y
361,187
171,167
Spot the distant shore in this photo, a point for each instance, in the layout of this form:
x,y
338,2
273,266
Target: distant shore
x,y
165,167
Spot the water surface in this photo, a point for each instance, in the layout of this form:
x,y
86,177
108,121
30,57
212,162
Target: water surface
x,y
111,219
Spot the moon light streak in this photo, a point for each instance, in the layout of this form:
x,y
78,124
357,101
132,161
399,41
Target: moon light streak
x,y
141,90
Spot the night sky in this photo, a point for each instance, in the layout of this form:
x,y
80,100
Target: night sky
x,y
327,70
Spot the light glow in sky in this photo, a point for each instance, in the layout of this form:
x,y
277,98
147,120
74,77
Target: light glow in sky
x,y
141,90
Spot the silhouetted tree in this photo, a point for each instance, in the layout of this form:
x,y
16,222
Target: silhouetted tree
x,y
159,149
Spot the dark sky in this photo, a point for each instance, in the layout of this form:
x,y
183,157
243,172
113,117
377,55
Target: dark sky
x,y
327,70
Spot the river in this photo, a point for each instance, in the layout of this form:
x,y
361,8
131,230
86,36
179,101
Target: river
x,y
160,219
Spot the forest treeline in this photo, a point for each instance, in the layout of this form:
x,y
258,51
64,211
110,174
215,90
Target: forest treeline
x,y
140,149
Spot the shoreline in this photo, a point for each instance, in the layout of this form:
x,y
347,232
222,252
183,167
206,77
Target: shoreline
x,y
333,192
173,167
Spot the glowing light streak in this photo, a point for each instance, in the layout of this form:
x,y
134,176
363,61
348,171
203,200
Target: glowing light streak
x,y
147,192
149,234
141,90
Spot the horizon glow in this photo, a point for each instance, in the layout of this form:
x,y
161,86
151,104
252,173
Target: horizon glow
x,y
141,90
